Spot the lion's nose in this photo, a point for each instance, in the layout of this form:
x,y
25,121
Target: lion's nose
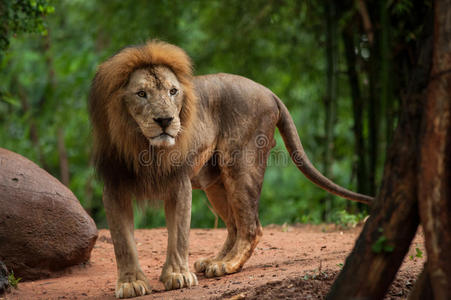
x,y
163,122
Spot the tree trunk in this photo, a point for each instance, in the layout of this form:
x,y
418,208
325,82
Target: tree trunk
x,y
385,75
386,236
435,164
330,98
62,153
373,100
422,289
50,93
34,135
366,21
357,109
373,121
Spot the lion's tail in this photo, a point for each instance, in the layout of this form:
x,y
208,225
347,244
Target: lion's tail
x,y
290,136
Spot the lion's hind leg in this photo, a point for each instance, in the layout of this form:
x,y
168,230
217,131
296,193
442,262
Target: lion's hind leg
x,y
217,196
239,210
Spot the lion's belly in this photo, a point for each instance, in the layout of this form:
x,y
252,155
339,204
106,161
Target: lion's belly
x,y
207,175
204,172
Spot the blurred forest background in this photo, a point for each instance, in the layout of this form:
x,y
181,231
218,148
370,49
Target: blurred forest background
x,y
341,67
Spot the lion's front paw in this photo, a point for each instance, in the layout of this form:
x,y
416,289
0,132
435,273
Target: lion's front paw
x,y
132,286
174,281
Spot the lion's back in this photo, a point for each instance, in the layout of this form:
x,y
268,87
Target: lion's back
x,y
235,101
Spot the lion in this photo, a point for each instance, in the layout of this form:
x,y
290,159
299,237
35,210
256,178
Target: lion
x,y
160,132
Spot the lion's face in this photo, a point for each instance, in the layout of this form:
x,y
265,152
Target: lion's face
x,y
154,98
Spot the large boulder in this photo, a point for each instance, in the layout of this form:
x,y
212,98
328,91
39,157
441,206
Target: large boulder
x,y
43,227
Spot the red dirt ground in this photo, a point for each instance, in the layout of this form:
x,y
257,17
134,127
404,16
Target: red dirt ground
x,y
289,263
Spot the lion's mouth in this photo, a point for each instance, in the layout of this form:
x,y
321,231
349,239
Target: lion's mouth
x,y
163,139
162,135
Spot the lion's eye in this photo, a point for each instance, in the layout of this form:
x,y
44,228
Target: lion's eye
x,y
173,91
141,94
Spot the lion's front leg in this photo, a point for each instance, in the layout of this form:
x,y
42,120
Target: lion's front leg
x,y
131,280
176,274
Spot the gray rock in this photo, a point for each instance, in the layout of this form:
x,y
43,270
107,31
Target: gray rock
x,y
43,227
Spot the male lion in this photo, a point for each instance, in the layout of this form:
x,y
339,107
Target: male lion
x,y
159,132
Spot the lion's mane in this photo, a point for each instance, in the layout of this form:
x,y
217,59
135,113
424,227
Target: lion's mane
x,y
119,146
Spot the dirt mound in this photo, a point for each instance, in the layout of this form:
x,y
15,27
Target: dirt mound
x,y
314,286
298,262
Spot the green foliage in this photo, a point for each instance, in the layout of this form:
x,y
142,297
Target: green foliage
x,y
419,253
17,16
346,219
315,274
13,281
382,245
